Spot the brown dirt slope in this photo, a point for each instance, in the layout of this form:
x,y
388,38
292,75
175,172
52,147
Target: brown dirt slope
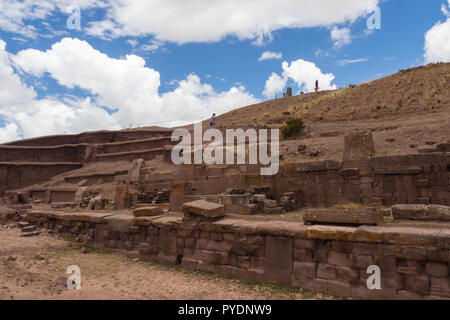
x,y
420,90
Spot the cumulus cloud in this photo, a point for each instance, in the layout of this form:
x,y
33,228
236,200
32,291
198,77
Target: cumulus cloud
x,y
437,40
274,84
124,85
208,21
267,55
303,73
12,89
341,37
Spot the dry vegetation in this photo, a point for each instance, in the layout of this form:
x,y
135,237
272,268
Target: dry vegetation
x,y
414,91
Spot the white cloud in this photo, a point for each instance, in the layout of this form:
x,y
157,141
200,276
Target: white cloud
x,y
445,10
437,41
9,132
153,45
321,53
303,73
12,90
274,85
16,15
125,85
183,21
132,42
341,37
270,55
345,62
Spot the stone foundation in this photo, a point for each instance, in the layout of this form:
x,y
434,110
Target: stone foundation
x,y
414,260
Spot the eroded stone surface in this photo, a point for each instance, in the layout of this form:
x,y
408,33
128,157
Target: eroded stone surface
x,y
421,212
148,211
204,208
359,217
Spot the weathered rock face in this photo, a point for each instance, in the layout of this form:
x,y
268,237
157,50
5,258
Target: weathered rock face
x,y
204,208
358,148
97,203
177,193
79,196
122,197
148,211
421,212
357,217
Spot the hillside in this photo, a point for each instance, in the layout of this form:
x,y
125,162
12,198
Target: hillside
x,y
420,90
407,113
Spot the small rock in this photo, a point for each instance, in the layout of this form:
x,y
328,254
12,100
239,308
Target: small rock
x,y
430,143
39,258
23,224
29,229
390,140
412,145
136,260
30,234
270,203
11,258
301,147
443,147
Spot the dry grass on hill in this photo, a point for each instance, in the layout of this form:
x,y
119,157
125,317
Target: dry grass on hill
x,y
419,90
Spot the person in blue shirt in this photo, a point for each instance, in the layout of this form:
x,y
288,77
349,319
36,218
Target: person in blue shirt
x,y
212,122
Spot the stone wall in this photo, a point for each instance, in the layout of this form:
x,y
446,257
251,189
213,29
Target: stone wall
x,y
390,180
414,261
421,178
95,137
63,153
19,175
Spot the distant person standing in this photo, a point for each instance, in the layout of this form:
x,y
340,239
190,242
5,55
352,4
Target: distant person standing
x,y
212,122
317,86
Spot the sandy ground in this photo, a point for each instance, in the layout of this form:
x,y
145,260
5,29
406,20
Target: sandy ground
x,y
35,268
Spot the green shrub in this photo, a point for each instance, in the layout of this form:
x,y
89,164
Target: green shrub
x,y
292,127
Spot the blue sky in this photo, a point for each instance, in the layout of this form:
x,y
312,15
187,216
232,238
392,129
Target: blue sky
x,y
135,63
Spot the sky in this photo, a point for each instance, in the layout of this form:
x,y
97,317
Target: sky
x,y
68,66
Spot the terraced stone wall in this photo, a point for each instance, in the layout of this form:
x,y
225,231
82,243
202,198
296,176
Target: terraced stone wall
x,y
14,176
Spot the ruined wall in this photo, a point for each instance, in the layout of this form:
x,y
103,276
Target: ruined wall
x,y
63,153
389,180
92,137
13,176
384,180
414,262
135,145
